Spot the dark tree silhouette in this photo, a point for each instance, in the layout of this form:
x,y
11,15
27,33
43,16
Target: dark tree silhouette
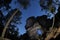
x,y
12,33
48,5
1,23
5,3
29,22
25,36
12,30
44,21
14,15
57,20
24,3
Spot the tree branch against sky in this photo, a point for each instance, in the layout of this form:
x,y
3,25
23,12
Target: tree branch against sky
x,y
50,6
6,26
6,4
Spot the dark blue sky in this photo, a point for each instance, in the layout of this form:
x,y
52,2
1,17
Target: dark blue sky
x,y
33,10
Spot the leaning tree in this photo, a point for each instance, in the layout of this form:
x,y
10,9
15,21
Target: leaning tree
x,y
5,4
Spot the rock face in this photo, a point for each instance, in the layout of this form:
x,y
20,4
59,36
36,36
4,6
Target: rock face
x,y
4,38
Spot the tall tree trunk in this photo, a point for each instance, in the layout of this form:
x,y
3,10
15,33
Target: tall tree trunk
x,y
52,23
6,26
51,30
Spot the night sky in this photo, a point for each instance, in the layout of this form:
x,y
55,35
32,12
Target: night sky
x,y
33,9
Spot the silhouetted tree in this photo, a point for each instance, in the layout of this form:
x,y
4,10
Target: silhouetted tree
x,y
44,21
50,6
24,3
5,3
57,17
12,30
30,22
25,36
1,22
13,17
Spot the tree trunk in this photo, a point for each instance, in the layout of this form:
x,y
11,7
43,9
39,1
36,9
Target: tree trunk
x,y
6,26
51,33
